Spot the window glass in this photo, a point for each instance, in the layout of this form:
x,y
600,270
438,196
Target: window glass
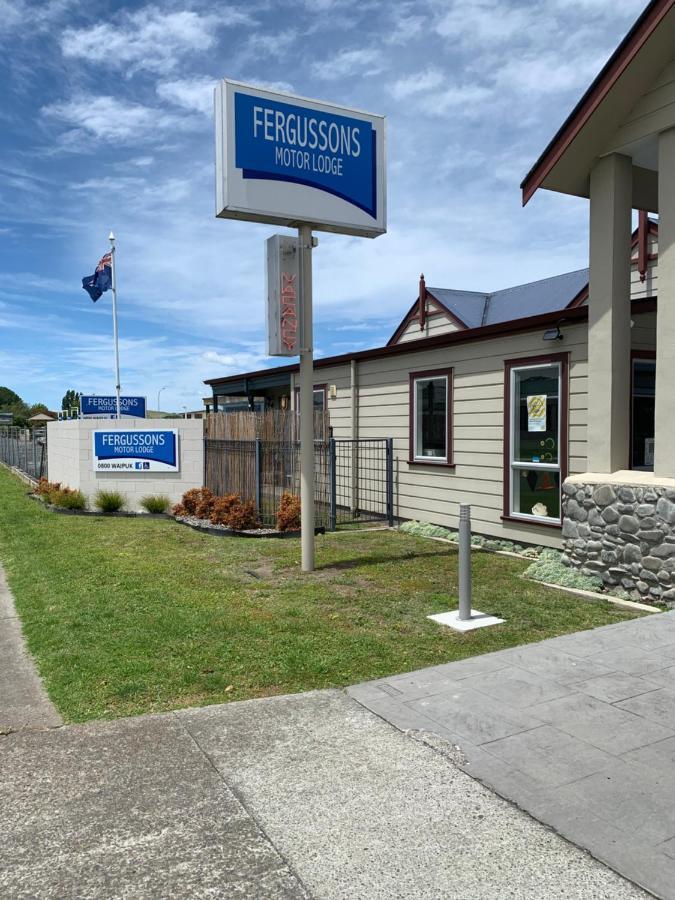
x,y
318,399
644,379
431,429
535,433
536,492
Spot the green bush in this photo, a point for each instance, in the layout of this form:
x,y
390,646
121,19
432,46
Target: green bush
x,y
549,568
109,501
156,503
66,498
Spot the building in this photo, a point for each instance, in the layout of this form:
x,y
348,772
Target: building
x,y
549,406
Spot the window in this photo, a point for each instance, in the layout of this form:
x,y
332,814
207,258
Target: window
x,y
535,441
643,380
319,398
430,417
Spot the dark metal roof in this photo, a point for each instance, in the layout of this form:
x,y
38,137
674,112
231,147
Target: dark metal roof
x,y
535,298
532,299
468,306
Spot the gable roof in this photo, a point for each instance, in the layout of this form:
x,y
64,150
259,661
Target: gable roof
x,y
612,84
475,309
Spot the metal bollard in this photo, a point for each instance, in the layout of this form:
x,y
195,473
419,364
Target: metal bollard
x,y
464,562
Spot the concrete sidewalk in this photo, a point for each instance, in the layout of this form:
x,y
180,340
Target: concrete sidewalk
x,y
290,797
577,730
23,700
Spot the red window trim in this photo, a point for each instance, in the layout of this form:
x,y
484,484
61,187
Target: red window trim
x,y
509,364
412,378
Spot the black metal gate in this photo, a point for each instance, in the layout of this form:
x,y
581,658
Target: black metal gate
x,y
361,476
353,479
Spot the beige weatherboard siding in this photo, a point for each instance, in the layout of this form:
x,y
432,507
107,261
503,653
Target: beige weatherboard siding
x,y
70,459
434,493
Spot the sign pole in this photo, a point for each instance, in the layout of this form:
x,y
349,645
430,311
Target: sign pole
x,y
113,267
306,399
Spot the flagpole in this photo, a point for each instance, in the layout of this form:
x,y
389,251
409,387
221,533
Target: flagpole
x,y
111,238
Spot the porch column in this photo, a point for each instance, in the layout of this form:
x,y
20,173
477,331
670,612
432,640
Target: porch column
x,y
664,407
609,314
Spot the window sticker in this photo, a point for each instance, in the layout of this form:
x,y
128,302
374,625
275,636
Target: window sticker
x,y
536,412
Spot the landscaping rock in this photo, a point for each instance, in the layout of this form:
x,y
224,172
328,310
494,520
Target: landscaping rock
x,y
665,509
629,524
603,495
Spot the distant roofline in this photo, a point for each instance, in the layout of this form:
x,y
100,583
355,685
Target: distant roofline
x,y
482,332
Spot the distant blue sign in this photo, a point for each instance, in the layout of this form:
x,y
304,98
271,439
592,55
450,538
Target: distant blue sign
x,y
136,450
284,142
107,406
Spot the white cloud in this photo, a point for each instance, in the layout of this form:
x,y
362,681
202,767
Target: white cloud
x,y
547,73
149,38
107,118
347,63
416,82
483,21
261,46
457,98
195,94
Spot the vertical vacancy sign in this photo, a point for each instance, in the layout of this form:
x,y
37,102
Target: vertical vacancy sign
x,y
283,309
305,164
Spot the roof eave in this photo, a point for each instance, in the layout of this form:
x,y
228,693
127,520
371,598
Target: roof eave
x,y
615,66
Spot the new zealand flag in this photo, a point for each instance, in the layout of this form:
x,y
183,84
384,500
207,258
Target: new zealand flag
x,y
101,280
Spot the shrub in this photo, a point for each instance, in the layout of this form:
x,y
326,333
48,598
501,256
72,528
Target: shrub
x,y
155,503
179,510
288,514
45,487
231,511
109,501
204,504
220,510
549,568
68,498
242,516
197,502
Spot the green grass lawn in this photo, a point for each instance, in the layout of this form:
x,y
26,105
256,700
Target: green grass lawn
x,y
127,616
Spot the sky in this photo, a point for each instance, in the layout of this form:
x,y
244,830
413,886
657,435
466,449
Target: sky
x,y
106,123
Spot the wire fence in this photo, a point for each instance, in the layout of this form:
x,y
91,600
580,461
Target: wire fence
x,y
353,479
24,449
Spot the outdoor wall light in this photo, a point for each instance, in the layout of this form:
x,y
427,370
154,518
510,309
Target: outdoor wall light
x,y
332,391
553,334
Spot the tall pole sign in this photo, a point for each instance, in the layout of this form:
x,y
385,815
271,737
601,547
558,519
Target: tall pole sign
x,y
308,165
284,317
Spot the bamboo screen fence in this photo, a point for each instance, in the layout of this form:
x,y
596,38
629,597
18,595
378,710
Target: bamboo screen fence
x,y
257,455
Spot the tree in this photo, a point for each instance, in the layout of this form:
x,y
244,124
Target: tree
x,y
8,398
37,408
71,400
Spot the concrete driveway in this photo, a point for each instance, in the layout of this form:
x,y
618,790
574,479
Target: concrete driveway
x,y
577,730
309,796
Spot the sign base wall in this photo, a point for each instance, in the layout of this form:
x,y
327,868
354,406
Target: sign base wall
x,y
70,459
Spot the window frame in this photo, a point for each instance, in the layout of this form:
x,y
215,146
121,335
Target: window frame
x,y
413,377
316,389
636,356
510,366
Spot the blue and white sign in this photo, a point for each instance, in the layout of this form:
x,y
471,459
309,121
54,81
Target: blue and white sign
x,y
287,160
105,407
136,450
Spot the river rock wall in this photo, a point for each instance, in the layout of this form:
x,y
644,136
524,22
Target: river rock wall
x,y
623,533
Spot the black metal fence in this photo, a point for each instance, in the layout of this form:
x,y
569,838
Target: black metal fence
x,y
25,449
353,479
